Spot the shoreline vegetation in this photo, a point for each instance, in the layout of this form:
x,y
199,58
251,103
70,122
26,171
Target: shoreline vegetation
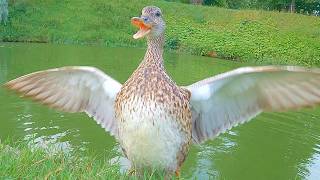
x,y
18,160
252,36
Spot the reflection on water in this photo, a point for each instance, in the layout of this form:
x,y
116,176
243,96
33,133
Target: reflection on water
x,y
313,165
274,146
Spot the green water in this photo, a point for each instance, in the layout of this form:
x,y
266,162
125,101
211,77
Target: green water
x,y
273,146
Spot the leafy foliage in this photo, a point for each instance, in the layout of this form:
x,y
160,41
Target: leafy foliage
x,y
300,6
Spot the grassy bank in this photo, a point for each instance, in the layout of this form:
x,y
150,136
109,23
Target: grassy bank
x,y
18,161
244,35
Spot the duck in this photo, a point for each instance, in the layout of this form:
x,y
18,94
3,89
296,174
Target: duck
x,y
155,120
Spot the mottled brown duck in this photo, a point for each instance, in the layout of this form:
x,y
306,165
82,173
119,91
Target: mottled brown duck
x,y
153,118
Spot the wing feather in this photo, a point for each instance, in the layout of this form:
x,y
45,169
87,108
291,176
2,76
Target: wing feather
x,y
226,100
73,89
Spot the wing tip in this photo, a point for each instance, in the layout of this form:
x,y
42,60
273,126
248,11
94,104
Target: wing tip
x,y
8,85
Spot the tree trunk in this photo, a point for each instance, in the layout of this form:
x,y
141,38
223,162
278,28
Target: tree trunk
x,y
292,7
197,2
3,11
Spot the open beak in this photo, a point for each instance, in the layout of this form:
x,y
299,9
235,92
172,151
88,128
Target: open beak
x,y
144,28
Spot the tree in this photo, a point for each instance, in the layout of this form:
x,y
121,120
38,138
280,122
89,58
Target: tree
x,y
311,7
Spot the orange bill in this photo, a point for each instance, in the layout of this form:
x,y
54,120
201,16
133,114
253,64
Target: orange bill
x,y
144,28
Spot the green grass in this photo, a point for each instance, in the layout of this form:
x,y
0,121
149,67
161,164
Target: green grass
x,y
245,35
18,161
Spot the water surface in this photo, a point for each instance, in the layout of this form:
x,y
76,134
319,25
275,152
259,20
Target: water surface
x,y
273,146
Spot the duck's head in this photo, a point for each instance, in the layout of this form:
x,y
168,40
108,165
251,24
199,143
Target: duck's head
x,y
150,23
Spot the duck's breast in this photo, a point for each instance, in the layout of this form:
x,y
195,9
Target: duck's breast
x,y
150,134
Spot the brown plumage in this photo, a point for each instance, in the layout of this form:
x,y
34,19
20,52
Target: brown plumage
x,y
151,83
155,120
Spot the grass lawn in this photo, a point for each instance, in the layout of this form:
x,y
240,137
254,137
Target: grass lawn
x,y
244,35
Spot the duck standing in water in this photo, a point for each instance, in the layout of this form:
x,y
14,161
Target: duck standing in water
x,y
155,120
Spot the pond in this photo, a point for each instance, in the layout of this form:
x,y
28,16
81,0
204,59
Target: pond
x,y
273,146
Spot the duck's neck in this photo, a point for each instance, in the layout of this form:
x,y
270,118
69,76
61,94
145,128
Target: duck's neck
x,y
154,50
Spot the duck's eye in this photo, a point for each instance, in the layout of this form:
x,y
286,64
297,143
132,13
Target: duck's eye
x,y
145,19
158,14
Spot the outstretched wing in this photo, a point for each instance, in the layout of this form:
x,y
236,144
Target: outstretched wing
x,y
223,101
73,89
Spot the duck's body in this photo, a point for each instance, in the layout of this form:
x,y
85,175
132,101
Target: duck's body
x,y
154,119
154,115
